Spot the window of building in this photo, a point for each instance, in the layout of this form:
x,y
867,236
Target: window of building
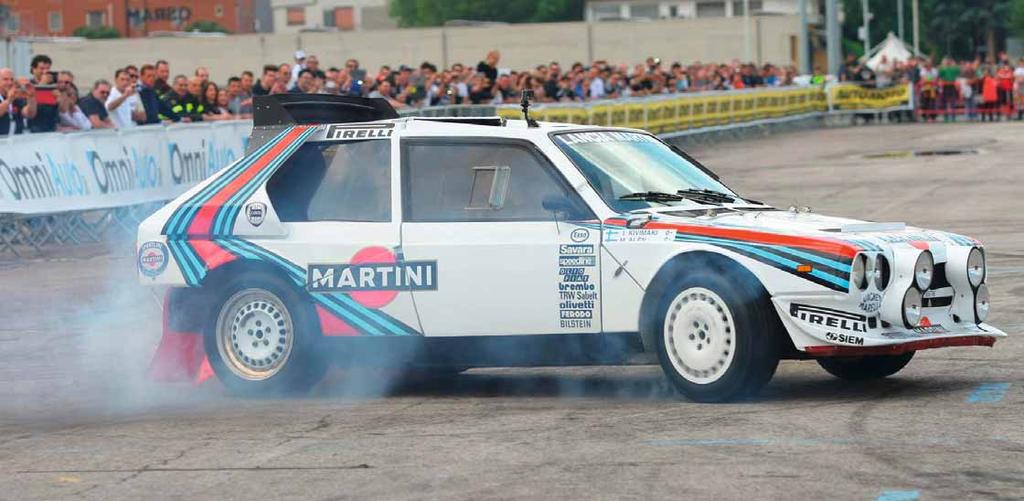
x,y
13,22
296,16
711,9
644,11
218,10
95,18
329,18
349,181
55,22
344,18
481,180
756,6
605,11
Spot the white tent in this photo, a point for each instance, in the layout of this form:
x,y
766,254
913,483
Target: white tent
x,y
892,48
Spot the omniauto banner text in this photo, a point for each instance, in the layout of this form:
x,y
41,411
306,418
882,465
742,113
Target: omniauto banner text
x,y
50,173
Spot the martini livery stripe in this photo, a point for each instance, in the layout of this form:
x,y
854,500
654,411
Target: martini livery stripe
x,y
218,200
177,224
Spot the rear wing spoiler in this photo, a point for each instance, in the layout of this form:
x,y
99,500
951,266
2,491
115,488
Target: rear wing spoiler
x,y
275,112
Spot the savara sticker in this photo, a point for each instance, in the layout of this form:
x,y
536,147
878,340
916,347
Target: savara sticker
x,y
580,235
844,338
832,319
152,258
395,276
256,212
871,302
376,131
639,235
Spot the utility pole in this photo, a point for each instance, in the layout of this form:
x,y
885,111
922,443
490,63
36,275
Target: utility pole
x,y
867,23
805,60
913,15
747,51
832,36
899,19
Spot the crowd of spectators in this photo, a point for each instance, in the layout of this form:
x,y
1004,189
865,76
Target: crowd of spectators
x,y
977,89
51,100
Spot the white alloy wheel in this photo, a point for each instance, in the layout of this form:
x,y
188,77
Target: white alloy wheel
x,y
700,335
255,334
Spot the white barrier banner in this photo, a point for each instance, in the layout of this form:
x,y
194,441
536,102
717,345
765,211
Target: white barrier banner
x,y
44,173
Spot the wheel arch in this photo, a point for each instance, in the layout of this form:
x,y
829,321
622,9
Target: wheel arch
x,y
190,307
699,259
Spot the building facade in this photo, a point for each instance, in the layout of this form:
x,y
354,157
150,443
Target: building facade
x,y
614,10
293,16
131,18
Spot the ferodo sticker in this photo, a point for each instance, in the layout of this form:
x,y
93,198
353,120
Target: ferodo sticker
x,y
152,258
639,235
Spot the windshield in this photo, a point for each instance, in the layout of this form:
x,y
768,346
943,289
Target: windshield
x,y
619,164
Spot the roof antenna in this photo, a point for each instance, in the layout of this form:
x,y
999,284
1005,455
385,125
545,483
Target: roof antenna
x,y
525,103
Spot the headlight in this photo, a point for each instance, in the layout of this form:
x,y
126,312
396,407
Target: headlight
x,y
981,303
912,307
881,272
923,270
976,267
858,274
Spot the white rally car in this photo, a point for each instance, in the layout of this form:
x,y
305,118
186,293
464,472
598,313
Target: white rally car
x,y
350,235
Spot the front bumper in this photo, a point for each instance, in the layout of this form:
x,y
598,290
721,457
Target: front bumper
x,y
907,341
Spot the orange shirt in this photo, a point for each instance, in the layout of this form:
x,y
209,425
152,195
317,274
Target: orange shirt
x,y
988,90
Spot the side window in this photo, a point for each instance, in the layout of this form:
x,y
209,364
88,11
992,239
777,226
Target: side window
x,y
349,181
482,181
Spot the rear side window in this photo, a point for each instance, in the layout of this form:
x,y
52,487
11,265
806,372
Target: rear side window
x,y
349,181
449,181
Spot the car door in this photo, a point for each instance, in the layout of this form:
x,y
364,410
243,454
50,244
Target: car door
x,y
497,221
337,201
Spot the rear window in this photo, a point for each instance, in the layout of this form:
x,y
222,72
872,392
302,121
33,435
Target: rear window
x,y
345,181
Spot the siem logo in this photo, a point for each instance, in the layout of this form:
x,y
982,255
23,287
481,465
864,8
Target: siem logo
x,y
580,235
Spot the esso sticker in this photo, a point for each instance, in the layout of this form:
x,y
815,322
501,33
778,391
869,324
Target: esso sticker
x,y
152,258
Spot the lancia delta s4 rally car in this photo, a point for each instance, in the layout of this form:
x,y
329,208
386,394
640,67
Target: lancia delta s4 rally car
x,y
349,235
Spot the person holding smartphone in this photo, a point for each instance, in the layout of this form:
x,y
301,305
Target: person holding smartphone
x,y
123,102
17,104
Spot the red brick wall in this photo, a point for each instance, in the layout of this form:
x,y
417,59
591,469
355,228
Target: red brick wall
x,y
132,18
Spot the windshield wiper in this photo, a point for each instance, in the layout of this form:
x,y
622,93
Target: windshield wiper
x,y
653,196
706,196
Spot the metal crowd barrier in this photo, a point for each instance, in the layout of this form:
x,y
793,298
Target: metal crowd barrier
x,y
685,117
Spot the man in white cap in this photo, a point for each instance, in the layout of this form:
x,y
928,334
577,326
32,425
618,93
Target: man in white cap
x,y
300,64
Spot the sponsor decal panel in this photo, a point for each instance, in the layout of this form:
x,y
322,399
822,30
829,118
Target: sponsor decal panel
x,y
832,319
871,302
152,258
580,235
577,291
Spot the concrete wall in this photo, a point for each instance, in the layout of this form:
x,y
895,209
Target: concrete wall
x,y
522,46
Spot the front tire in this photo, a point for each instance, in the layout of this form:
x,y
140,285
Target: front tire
x,y
262,339
865,368
717,339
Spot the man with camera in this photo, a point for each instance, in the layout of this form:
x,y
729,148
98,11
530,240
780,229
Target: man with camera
x,y
17,103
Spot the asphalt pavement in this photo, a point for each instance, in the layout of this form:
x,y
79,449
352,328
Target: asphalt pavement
x,y
78,419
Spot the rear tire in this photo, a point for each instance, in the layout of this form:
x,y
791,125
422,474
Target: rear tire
x,y
865,368
716,337
262,339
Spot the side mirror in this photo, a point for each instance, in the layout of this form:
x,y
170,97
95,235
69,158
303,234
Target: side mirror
x,y
556,204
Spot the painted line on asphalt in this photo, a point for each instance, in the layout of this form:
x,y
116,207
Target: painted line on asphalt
x,y
898,496
799,441
988,393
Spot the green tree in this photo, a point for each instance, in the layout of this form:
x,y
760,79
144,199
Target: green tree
x,y
206,27
437,12
96,32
